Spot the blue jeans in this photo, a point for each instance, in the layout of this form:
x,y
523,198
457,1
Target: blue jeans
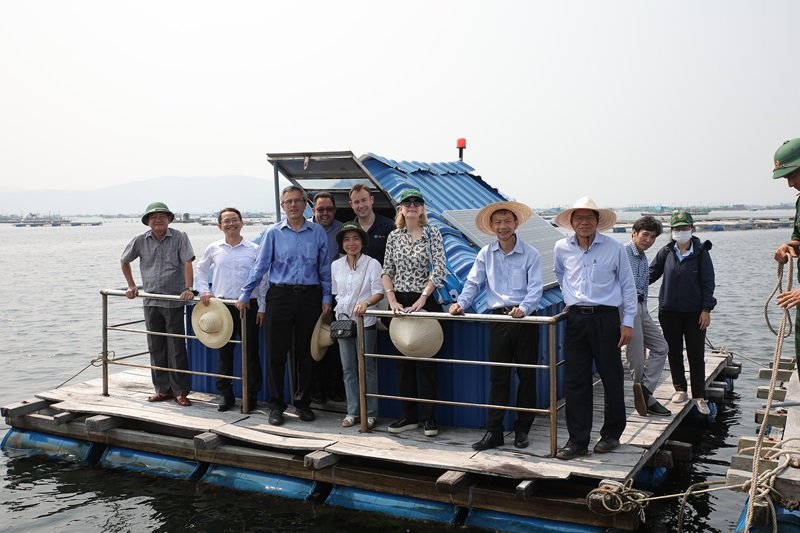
x,y
347,351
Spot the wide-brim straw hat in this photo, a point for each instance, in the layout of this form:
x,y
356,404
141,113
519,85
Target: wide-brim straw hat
x,y
607,217
416,337
483,220
212,323
321,339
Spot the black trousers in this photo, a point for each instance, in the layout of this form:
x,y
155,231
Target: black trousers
x,y
225,364
290,318
167,352
677,327
593,338
417,379
512,343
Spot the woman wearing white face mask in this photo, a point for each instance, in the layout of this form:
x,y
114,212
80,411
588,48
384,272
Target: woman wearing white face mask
x,y
685,302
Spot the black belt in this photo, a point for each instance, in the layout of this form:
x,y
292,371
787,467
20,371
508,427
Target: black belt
x,y
592,309
641,298
502,310
295,288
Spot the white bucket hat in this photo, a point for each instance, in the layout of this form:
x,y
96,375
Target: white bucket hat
x,y
607,217
321,339
416,337
483,220
212,323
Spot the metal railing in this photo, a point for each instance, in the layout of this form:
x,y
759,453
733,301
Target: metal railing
x,y
534,321
105,293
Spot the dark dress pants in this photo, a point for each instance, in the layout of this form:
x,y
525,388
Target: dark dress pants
x,y
677,327
167,352
593,338
291,316
512,343
417,379
225,364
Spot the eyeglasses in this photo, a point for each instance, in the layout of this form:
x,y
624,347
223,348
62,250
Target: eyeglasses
x,y
412,203
324,209
229,221
291,201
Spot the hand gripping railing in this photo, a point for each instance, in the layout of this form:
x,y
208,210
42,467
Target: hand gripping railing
x,y
166,297
534,321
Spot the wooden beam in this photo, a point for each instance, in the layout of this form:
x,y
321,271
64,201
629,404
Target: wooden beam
x,y
750,442
745,462
660,458
773,419
65,416
766,373
101,423
319,459
24,407
525,489
451,481
778,394
784,365
681,451
731,371
715,393
207,441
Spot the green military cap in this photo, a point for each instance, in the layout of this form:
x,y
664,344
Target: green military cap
x,y
681,218
157,207
787,159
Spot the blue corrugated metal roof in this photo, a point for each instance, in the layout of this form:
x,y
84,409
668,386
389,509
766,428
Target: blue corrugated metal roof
x,y
447,186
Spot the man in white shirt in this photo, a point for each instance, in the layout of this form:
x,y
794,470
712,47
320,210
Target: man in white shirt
x,y
596,280
233,258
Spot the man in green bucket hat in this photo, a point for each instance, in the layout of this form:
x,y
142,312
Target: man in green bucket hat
x,y
787,165
165,262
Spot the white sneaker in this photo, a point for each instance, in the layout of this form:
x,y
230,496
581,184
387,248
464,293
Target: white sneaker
x,y
702,406
680,397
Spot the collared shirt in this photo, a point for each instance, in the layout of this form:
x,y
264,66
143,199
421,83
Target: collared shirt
x,y
412,264
600,275
232,265
352,287
512,279
331,231
378,234
680,256
161,263
640,268
293,258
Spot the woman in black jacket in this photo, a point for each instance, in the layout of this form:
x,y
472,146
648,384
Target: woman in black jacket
x,y
685,302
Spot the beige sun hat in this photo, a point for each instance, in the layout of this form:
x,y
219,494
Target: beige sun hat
x,y
321,339
607,216
212,323
416,337
483,220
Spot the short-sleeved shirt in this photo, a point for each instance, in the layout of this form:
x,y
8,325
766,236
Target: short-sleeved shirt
x,y
412,264
378,233
161,263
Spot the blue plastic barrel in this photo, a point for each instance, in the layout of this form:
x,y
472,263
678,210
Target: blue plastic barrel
x,y
389,504
496,521
150,463
50,446
250,480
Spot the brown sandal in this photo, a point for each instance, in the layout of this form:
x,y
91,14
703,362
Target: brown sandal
x,y
183,400
159,397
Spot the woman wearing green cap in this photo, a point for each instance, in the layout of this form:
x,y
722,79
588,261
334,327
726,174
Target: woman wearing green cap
x,y
787,165
413,268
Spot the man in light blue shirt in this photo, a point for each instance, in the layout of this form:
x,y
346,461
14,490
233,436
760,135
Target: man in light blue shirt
x,y
596,281
511,270
294,253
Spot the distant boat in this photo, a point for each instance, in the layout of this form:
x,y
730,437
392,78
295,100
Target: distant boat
x,y
34,220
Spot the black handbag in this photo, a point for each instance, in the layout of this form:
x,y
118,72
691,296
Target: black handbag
x,y
343,329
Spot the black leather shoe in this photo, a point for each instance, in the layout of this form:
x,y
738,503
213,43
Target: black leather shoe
x,y
520,439
492,439
305,414
275,417
227,403
605,445
571,451
639,399
658,410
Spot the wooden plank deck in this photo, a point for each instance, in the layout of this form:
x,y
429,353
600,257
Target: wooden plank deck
x,y
450,451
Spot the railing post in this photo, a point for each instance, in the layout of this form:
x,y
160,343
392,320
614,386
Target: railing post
x,y
245,387
551,330
105,343
361,346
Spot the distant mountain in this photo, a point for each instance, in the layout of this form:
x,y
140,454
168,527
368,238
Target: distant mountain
x,y
195,195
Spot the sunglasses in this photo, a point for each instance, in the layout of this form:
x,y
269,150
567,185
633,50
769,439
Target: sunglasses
x,y
412,203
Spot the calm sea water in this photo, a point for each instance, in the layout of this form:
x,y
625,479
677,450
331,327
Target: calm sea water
x,y
50,326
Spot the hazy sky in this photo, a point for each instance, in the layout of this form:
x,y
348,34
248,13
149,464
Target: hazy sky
x,y
629,102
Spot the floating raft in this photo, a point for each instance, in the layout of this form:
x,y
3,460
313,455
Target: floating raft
x,y
439,479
